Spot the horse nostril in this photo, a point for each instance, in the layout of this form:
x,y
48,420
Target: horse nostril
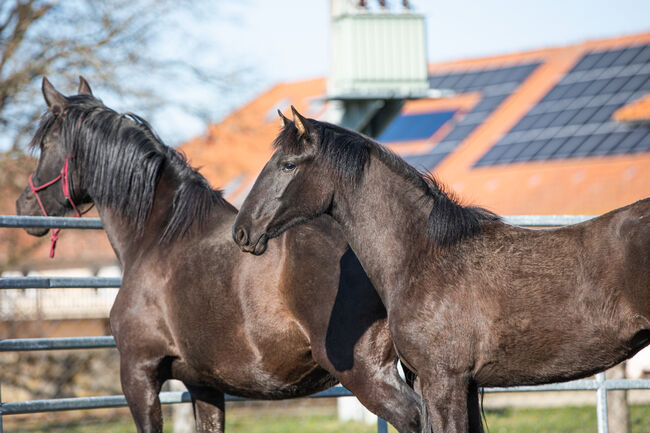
x,y
241,236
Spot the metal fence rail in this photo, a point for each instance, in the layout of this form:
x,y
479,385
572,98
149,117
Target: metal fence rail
x,y
109,401
600,384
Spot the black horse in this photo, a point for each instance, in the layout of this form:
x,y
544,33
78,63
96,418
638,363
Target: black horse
x,y
471,300
192,306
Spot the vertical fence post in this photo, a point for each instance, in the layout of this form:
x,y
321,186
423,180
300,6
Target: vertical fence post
x,y
382,425
1,407
601,403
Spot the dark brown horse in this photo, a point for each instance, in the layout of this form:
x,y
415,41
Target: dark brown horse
x,y
471,300
192,306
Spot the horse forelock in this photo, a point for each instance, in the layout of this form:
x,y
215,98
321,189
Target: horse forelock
x,y
122,159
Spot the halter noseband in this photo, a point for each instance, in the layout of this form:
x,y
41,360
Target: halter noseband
x,y
64,178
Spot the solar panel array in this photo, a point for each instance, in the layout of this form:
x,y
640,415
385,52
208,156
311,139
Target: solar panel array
x,y
418,126
574,119
495,84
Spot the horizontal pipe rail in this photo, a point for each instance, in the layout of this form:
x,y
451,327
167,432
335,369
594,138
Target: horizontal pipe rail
x,y
61,404
50,222
66,343
546,220
95,223
59,282
109,401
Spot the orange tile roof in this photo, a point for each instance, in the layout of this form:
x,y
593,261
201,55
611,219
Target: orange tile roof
x,y
635,112
570,186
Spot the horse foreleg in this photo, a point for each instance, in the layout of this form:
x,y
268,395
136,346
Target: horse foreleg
x,y
383,392
141,385
446,398
209,409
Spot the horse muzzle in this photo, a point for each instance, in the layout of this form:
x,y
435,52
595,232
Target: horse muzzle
x,y
246,244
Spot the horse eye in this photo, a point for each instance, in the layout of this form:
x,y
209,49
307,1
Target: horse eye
x,y
288,166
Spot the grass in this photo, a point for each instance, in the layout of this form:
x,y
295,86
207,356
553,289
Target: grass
x,y
561,420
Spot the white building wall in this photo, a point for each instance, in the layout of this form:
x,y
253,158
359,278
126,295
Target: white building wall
x,y
56,304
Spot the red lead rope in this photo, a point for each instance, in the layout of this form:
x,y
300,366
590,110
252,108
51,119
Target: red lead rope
x,y
63,177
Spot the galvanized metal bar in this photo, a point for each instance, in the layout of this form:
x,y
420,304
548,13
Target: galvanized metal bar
x,y
575,385
30,344
50,222
59,282
601,403
335,391
95,223
612,384
101,402
546,220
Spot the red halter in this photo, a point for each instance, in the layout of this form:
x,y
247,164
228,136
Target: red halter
x,y
63,177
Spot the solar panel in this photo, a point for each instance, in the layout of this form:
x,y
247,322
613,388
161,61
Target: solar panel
x,y
544,120
557,92
489,103
492,155
460,132
564,117
435,81
628,56
574,119
530,149
425,161
587,62
628,143
615,84
526,123
466,81
608,58
610,142
584,116
644,144
511,152
634,83
604,113
576,89
549,148
643,56
588,145
414,126
568,147
450,81
596,86
496,84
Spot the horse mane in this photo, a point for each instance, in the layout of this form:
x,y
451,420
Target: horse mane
x,y
347,153
123,159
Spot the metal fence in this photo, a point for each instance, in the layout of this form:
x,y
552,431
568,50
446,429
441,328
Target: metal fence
x,y
600,384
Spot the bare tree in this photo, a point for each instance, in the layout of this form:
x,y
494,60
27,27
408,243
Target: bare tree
x,y
114,43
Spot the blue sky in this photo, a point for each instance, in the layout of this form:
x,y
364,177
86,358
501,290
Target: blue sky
x,y
288,39
285,40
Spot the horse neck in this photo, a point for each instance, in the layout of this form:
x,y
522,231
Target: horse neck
x,y
127,239
384,219
125,236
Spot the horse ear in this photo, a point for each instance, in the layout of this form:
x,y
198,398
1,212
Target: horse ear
x,y
283,119
84,87
302,124
53,98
